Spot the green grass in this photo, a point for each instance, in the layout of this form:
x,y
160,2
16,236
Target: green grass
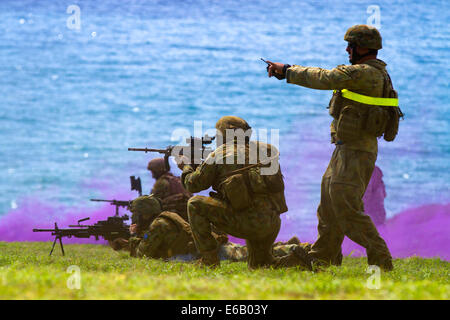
x,y
27,272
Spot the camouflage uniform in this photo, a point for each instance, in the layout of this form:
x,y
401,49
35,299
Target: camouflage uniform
x,y
284,248
258,224
236,252
341,210
168,236
168,188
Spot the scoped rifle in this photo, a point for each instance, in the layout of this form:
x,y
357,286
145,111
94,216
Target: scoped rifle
x,y
109,229
195,150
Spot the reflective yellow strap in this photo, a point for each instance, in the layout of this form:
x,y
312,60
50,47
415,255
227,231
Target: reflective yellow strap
x,y
390,102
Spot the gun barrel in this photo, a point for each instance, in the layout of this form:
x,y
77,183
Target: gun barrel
x,y
44,230
118,202
148,150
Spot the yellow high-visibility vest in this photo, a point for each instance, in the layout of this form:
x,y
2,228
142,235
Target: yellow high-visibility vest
x,y
389,102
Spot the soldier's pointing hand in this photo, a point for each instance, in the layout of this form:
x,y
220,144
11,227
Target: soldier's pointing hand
x,y
275,67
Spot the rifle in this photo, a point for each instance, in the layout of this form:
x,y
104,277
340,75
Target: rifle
x,y
195,150
117,203
109,229
167,153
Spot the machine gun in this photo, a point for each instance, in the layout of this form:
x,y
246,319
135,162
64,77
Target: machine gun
x,y
109,229
117,203
195,150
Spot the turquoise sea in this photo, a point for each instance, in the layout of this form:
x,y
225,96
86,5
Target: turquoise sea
x,y
73,100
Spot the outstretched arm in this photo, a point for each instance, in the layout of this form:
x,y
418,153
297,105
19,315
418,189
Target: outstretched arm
x,y
341,77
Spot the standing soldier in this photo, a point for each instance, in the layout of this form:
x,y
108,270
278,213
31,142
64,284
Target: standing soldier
x,y
364,107
168,188
242,204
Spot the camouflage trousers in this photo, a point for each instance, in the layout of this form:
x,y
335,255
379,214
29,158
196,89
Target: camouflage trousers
x,y
228,251
341,209
259,226
235,252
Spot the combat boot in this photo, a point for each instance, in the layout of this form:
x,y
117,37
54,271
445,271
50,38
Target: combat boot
x,y
387,266
298,257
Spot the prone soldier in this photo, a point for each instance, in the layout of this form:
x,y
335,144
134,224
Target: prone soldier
x,y
165,235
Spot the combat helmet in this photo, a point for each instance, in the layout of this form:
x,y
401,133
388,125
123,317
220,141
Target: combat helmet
x,y
157,166
231,122
147,207
364,36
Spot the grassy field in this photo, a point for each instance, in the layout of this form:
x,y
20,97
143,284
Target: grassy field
x,y
27,272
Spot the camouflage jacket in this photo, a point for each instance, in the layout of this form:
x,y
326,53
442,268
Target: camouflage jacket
x,y
211,173
174,197
167,236
366,79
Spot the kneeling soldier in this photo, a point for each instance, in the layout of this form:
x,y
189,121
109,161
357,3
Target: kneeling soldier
x,y
246,203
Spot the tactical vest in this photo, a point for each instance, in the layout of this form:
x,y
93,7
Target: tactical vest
x,y
355,115
183,243
242,187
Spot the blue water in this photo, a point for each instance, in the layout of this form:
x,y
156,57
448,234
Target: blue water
x,y
72,101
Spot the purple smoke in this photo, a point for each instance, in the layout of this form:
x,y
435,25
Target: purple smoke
x,y
374,197
17,224
422,231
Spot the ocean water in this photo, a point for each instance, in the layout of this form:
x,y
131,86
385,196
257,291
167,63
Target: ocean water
x,y
73,100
